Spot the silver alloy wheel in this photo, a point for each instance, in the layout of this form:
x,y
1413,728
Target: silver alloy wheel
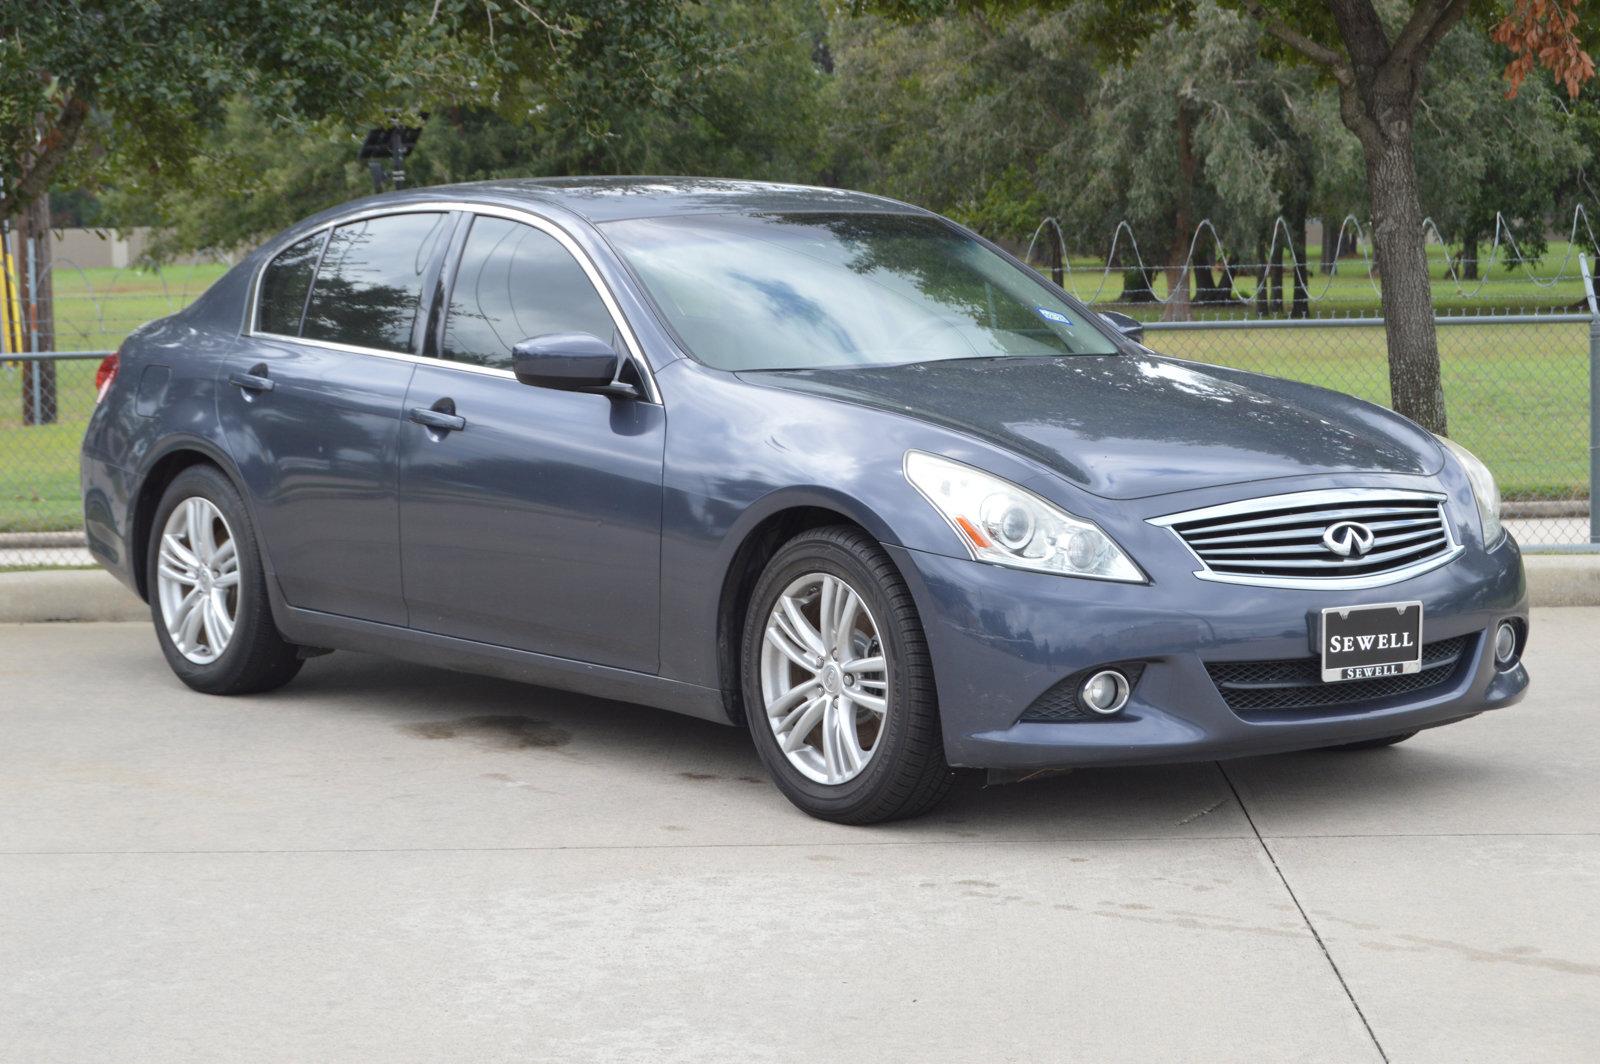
x,y
825,678
197,578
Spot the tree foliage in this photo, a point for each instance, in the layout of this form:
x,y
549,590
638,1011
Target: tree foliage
x,y
733,89
134,88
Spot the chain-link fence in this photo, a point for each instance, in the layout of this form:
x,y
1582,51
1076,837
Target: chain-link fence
x,y
1517,390
50,349
1517,394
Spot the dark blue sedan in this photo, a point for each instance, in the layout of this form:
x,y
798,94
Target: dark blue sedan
x,y
815,462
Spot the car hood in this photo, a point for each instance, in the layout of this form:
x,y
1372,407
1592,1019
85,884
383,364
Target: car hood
x,y
1129,426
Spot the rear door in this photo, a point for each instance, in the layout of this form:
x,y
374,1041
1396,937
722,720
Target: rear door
x,y
535,524
311,400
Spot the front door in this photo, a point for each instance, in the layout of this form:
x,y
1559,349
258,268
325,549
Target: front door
x,y
310,400
535,524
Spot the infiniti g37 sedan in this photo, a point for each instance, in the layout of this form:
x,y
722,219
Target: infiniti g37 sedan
x,y
816,463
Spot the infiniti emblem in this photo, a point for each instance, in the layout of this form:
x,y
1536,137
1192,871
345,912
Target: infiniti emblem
x,y
1348,539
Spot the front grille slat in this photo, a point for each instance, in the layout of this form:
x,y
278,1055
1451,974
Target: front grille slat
x,y
1333,561
1282,537
1313,530
1257,688
1303,517
1312,547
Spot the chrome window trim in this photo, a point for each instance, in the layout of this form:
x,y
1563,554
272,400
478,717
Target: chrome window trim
x,y
1322,497
516,214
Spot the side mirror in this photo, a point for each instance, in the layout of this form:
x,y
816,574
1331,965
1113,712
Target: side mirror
x,y
570,362
1128,326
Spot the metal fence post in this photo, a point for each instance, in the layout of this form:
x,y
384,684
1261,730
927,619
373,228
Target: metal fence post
x,y
1594,430
1594,399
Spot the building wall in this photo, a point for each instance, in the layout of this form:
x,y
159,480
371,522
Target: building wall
x,y
89,249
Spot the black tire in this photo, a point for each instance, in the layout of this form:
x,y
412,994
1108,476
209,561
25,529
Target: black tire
x,y
906,774
1373,744
256,657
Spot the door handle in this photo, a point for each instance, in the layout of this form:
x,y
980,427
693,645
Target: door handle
x,y
254,381
440,420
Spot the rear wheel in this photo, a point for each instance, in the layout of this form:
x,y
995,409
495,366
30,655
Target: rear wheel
x,y
1373,744
208,591
838,686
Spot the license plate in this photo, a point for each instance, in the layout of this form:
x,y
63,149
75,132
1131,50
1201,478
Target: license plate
x,y
1363,642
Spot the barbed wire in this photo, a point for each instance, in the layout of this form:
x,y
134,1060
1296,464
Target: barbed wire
x,y
1359,245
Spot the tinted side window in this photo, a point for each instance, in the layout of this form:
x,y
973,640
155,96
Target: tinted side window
x,y
516,282
369,285
283,287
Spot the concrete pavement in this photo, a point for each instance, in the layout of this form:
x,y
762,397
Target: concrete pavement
x,y
390,863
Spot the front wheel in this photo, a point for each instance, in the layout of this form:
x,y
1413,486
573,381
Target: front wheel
x,y
208,590
838,685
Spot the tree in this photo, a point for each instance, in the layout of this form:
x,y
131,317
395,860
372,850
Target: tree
x,y
741,91
1482,154
1376,55
131,88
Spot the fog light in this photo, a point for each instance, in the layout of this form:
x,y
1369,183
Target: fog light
x,y
1106,692
1505,644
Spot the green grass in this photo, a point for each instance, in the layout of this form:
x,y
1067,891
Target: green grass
x,y
94,310
1517,394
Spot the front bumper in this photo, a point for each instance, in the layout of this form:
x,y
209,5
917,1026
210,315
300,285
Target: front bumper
x,y
1001,637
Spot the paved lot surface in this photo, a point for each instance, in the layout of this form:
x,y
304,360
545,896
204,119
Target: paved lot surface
x,y
388,863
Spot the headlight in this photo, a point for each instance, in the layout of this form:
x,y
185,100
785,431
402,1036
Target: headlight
x,y
1484,489
1001,523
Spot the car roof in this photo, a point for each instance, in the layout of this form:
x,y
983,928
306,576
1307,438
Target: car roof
x,y
606,199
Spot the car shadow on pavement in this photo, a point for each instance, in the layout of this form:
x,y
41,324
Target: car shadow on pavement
x,y
1161,801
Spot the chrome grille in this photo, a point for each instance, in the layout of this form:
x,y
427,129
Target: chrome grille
x,y
1280,539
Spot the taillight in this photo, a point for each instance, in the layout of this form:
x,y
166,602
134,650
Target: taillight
x,y
105,375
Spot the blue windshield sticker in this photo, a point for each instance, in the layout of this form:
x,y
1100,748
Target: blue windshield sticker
x,y
1053,315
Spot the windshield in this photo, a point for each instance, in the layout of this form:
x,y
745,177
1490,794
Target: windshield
x,y
808,291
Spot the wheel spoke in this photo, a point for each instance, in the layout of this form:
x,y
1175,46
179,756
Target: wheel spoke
x,y
802,629
860,665
202,539
841,750
180,615
779,637
871,703
845,624
793,697
208,623
220,618
226,558
177,555
792,737
189,627
828,613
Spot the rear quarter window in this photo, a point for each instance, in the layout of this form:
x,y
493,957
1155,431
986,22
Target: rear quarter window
x,y
284,284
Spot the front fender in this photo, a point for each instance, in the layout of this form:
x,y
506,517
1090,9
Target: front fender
x,y
739,453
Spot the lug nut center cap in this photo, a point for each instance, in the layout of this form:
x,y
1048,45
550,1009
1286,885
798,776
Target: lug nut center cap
x,y
832,680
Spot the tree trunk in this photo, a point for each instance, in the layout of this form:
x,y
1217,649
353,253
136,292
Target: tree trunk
x,y
1380,80
1261,297
1301,227
1415,387
1330,247
1178,306
38,318
1469,257
1275,278
1136,286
